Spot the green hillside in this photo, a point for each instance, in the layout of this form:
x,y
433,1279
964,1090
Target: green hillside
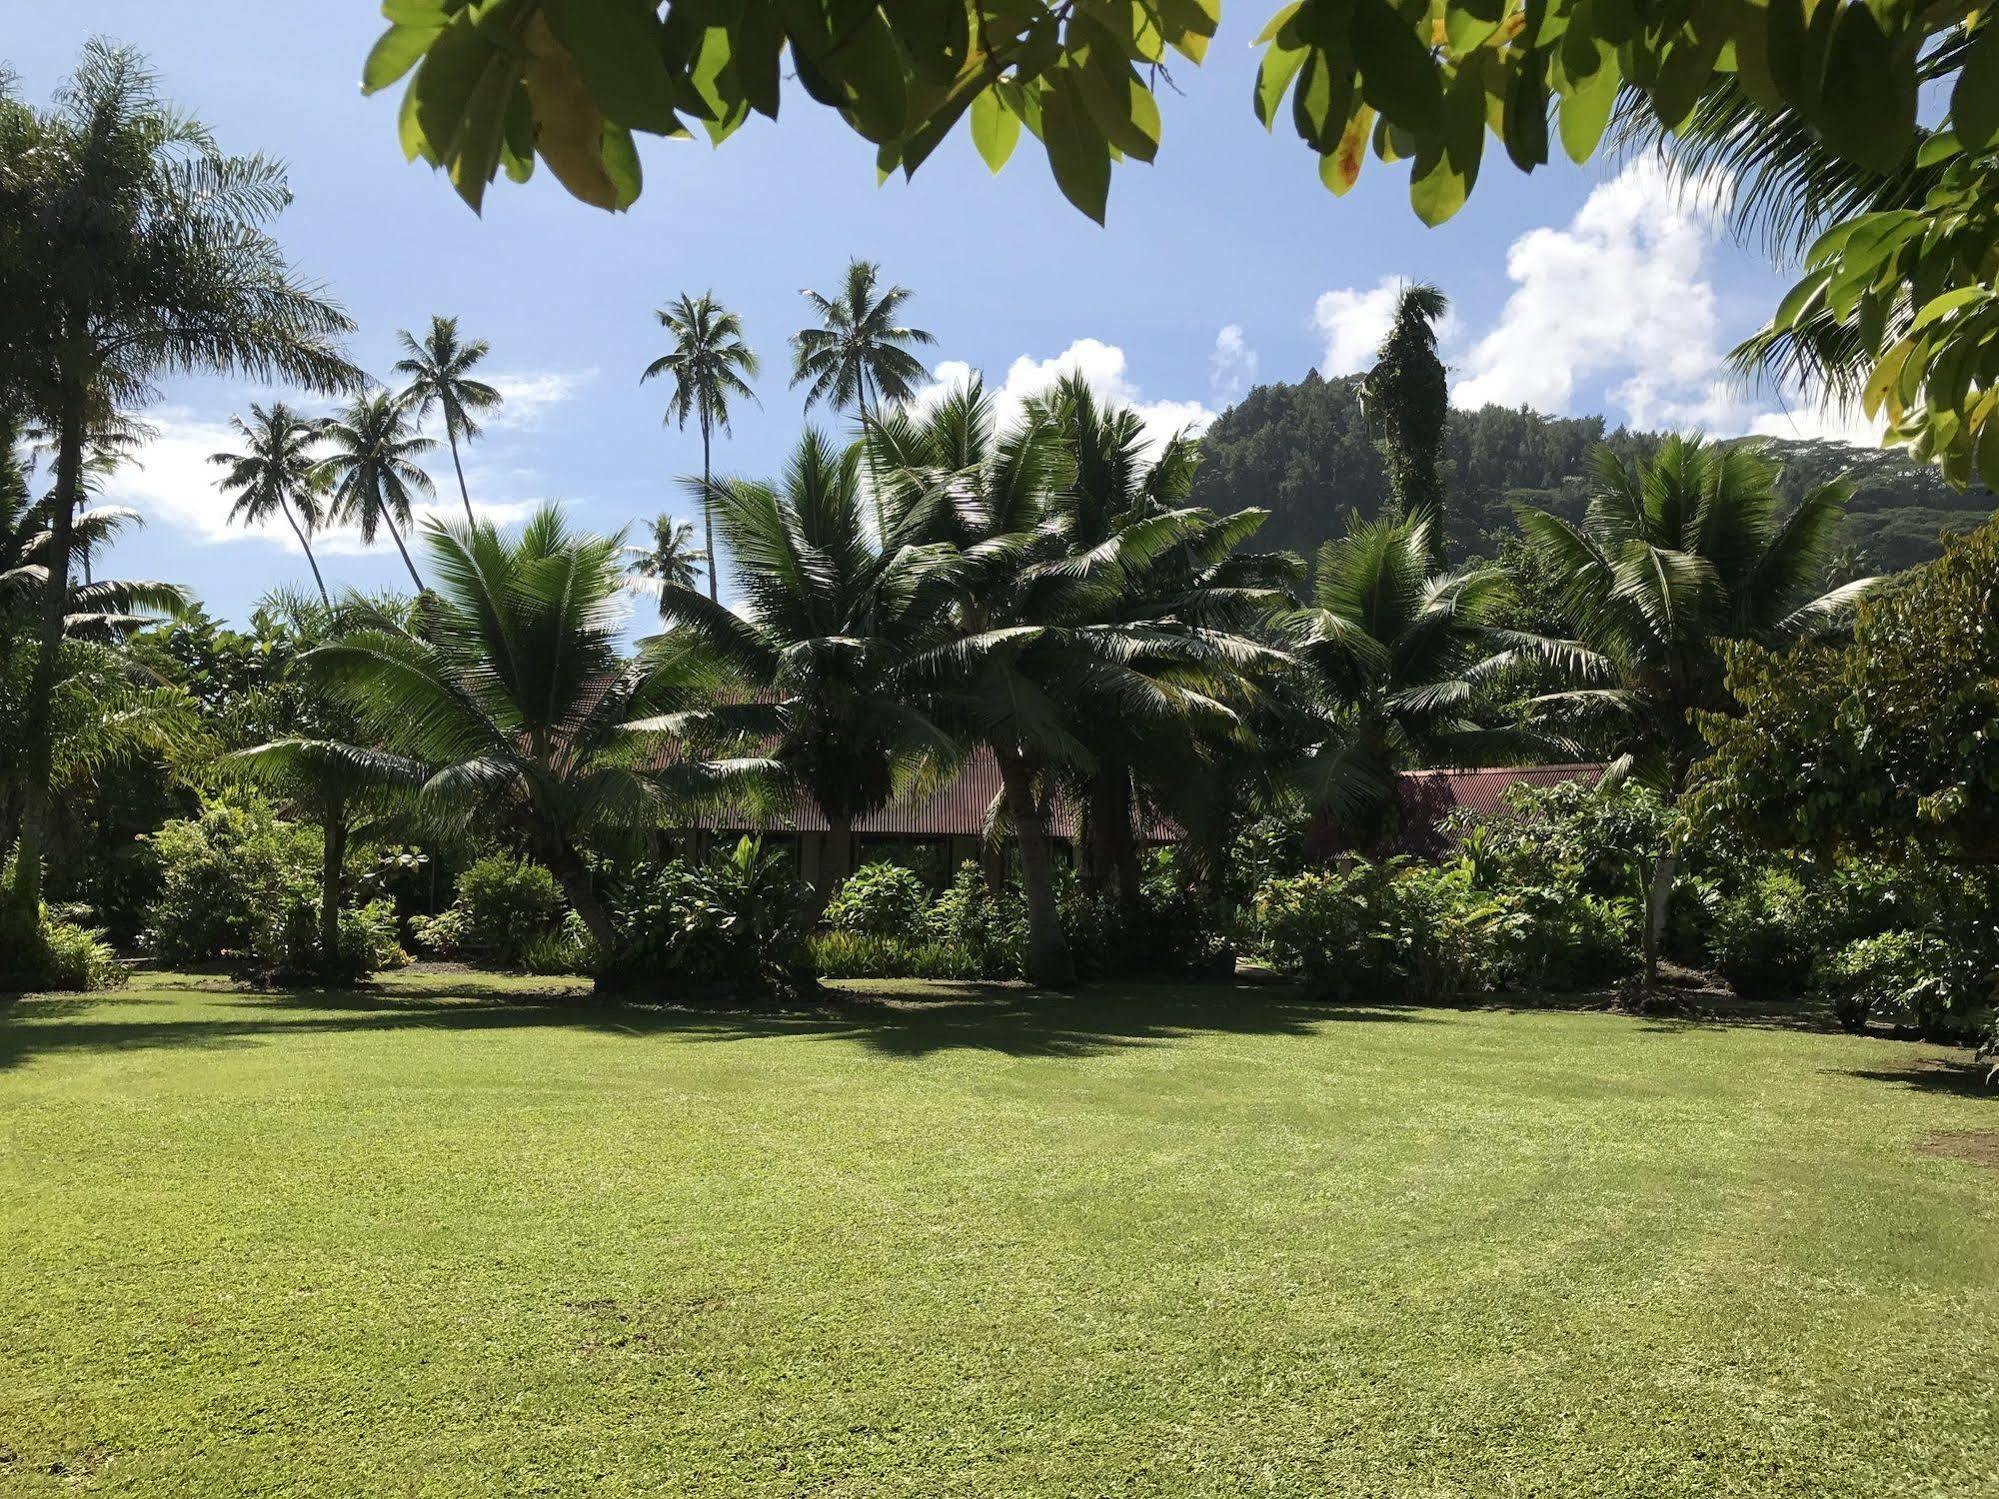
x,y
1302,451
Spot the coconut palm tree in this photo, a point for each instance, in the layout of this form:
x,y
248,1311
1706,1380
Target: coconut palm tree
x,y
133,247
1674,559
1396,655
672,561
276,474
708,362
515,700
439,370
372,470
856,355
1033,657
827,621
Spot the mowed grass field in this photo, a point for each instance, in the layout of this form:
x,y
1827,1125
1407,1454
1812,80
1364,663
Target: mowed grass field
x,y
469,1236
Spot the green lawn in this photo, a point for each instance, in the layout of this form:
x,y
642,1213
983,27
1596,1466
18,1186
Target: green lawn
x,y
454,1238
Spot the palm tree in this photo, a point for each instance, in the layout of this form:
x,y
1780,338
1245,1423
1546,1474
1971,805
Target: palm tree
x,y
855,356
672,561
708,362
1033,656
1407,397
828,620
440,379
372,469
134,246
1396,655
1204,601
514,699
1674,559
277,474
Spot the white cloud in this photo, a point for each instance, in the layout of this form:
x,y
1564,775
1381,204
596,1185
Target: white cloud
x,y
1353,323
1828,421
526,396
170,481
1232,365
1621,290
1100,364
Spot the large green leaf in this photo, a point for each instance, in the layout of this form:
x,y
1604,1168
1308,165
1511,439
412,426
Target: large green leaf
x,y
1974,103
1868,110
1078,154
616,47
1397,75
995,128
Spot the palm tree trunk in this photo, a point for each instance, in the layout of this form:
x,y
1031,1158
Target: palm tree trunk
x,y
311,561
332,863
451,436
1658,909
574,877
24,917
397,538
707,506
1048,961
835,855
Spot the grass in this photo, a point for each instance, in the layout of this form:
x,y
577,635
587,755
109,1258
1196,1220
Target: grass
x,y
467,1237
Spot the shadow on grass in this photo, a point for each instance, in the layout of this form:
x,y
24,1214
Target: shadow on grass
x,y
893,1020
1933,1075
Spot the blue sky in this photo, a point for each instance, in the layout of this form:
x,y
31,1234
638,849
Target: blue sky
x,y
1574,290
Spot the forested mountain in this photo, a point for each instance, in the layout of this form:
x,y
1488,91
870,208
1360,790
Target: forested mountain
x,y
1302,451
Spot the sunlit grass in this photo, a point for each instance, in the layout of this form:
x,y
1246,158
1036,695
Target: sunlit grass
x,y
474,1236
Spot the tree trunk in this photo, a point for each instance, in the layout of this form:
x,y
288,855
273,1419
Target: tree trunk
x,y
708,507
38,722
1048,961
311,561
1114,844
1658,907
397,537
332,866
835,857
574,877
451,436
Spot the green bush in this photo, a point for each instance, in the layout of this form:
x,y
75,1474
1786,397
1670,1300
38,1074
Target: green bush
x,y
445,935
1766,937
76,959
851,955
568,949
231,879
507,903
878,900
1915,976
989,926
728,921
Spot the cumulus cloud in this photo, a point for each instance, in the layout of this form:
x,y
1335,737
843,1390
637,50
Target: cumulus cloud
x,y
1232,365
1621,290
1352,323
526,396
1100,364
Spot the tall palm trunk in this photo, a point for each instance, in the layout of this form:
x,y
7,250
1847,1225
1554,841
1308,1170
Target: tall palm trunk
x,y
465,498
38,724
708,505
332,863
311,561
836,854
1048,961
574,877
397,537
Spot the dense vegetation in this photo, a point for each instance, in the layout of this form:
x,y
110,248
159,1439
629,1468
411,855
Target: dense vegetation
x,y
1306,453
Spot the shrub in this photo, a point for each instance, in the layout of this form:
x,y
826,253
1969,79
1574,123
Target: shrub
x,y
230,879
75,958
1916,975
1168,930
989,927
445,935
850,955
568,949
507,903
285,943
878,900
1766,936
727,921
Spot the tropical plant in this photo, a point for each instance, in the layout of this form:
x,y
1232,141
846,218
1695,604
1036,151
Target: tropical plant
x,y
1397,657
708,362
670,561
130,246
1035,654
1406,397
438,369
372,472
1674,559
276,473
828,620
856,354
879,900
514,699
